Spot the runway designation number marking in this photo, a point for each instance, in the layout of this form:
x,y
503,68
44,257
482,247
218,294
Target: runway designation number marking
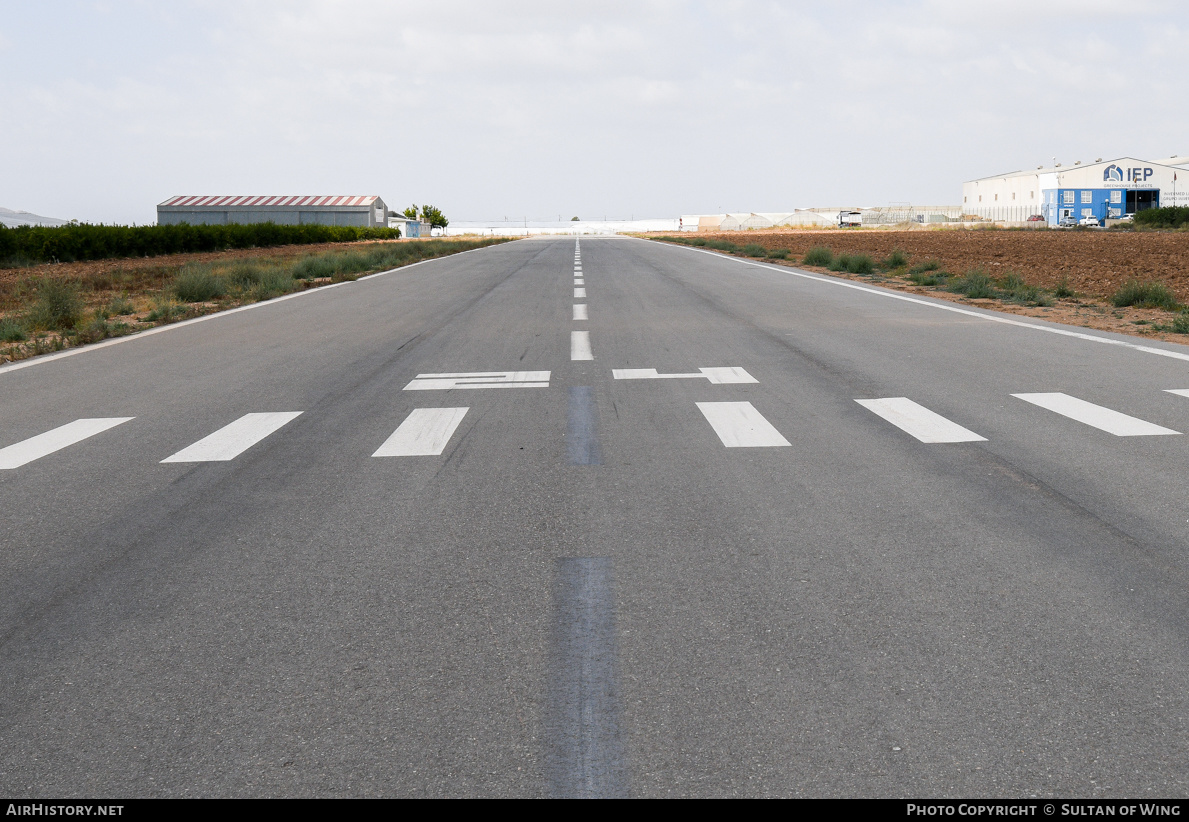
x,y
480,379
1096,416
233,439
21,453
740,425
919,421
717,376
425,433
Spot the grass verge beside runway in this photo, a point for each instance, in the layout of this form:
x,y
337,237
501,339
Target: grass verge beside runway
x,y
50,308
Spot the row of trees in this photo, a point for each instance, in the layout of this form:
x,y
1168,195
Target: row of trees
x,y
431,215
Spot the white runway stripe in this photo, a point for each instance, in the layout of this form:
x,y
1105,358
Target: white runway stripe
x,y
1096,416
580,346
739,425
580,312
579,293
579,282
424,433
919,421
233,439
1180,392
14,456
480,379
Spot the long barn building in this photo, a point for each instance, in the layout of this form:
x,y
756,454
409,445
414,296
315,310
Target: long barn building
x,y
357,210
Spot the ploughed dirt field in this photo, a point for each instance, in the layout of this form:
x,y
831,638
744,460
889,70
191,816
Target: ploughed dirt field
x,y
1094,264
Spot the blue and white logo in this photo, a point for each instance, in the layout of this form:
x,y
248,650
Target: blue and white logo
x,y
1113,172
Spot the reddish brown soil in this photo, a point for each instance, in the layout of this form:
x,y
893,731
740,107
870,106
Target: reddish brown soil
x,y
1094,264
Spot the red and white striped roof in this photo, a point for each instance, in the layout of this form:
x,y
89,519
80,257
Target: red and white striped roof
x,y
270,201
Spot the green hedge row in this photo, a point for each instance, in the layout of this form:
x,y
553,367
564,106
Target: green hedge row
x,y
1168,217
83,241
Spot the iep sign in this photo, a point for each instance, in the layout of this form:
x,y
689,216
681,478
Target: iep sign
x,y
1114,174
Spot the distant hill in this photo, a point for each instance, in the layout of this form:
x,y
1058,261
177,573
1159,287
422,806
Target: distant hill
x,y
12,218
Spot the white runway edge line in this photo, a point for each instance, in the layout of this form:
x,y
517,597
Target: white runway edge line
x,y
14,456
161,329
919,421
425,433
579,293
990,317
1096,416
739,425
580,346
580,312
234,438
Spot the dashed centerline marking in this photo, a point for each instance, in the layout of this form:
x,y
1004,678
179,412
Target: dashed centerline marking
x,y
1104,419
740,425
580,311
480,379
919,421
234,438
579,293
34,448
425,433
580,346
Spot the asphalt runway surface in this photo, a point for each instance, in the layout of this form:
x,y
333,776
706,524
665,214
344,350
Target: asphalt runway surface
x,y
597,518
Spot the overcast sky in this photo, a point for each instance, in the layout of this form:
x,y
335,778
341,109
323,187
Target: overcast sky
x,y
526,109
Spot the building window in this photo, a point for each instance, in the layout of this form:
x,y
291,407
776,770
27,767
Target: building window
x,y
1087,196
1031,195
996,198
1087,212
980,198
1067,196
1013,195
1116,196
963,199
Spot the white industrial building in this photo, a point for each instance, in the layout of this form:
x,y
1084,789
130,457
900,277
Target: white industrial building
x,y
358,210
1105,189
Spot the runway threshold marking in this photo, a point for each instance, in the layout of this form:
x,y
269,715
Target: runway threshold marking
x,y
740,425
234,438
919,421
579,293
580,311
1104,419
425,433
479,379
717,376
580,346
34,448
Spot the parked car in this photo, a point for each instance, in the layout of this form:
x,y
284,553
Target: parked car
x,y
1127,218
1068,222
1089,222
1036,218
